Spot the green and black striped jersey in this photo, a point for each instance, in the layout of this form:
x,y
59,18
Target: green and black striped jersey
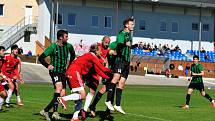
x,y
123,51
59,55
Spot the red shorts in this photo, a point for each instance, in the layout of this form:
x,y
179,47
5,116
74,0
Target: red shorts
x,y
1,87
75,79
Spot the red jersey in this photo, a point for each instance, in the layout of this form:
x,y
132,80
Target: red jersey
x,y
104,51
85,62
11,66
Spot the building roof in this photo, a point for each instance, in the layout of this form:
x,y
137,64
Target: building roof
x,y
182,3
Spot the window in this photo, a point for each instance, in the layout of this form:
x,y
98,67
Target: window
x,y
142,25
60,18
1,9
27,36
206,27
108,22
175,27
195,26
71,19
95,21
163,27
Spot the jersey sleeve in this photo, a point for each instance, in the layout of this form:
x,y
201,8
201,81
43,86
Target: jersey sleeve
x,y
120,38
49,50
201,68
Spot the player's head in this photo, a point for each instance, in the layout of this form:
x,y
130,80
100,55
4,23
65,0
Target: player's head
x,y
2,51
95,49
129,24
14,49
105,42
195,58
62,35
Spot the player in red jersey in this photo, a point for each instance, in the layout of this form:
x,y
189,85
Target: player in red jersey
x,y
92,78
11,69
3,93
81,66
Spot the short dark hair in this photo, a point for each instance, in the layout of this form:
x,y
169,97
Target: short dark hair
x,y
127,20
2,48
60,33
195,56
14,47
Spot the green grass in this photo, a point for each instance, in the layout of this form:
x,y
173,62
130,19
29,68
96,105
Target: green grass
x,y
142,103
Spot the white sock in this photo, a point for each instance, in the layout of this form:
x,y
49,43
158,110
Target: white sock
x,y
18,98
73,96
1,102
9,95
88,101
75,115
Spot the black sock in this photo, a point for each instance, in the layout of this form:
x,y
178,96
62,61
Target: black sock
x,y
55,105
208,97
96,100
111,89
187,99
50,105
118,96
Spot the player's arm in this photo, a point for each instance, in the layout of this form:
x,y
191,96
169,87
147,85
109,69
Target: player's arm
x,y
72,54
199,74
97,63
17,71
48,51
100,72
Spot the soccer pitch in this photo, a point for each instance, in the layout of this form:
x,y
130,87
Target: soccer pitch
x,y
141,103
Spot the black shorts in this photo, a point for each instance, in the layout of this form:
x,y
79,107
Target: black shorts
x,y
198,86
91,82
122,67
58,77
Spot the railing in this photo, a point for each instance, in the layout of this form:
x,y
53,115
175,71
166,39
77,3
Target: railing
x,y
18,26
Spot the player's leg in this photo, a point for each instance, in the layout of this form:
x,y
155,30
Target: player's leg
x,y
58,90
17,93
189,92
57,87
207,96
78,106
111,90
119,95
124,76
3,95
10,90
88,100
97,98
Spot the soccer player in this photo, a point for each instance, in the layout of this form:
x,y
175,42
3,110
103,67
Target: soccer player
x,y
122,65
81,66
58,53
11,69
111,60
197,71
3,93
92,78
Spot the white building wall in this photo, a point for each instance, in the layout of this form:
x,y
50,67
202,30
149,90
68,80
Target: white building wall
x,y
43,22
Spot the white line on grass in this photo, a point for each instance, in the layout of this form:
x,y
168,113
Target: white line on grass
x,y
139,115
149,117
